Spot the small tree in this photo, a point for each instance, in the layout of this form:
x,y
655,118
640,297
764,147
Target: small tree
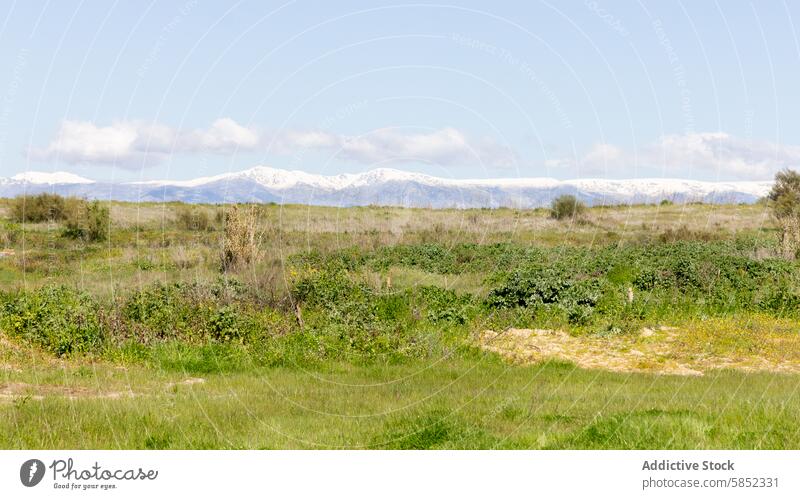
x,y
566,206
784,198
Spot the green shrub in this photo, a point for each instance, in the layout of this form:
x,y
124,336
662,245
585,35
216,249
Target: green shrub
x,y
785,194
781,300
567,206
192,312
530,286
224,324
328,287
9,233
88,221
164,310
59,319
445,305
430,257
36,208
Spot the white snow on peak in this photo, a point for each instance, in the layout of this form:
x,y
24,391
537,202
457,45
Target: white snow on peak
x,y
275,178
278,181
50,178
667,186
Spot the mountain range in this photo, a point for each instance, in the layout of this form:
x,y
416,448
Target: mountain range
x,y
386,187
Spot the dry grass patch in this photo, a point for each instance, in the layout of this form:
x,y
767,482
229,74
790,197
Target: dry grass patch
x,y
761,344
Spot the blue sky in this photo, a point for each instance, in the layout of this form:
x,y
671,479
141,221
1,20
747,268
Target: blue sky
x,y
133,89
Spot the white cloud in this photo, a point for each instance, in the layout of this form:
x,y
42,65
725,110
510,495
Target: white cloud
x,y
139,144
707,154
448,147
723,154
224,136
136,144
80,141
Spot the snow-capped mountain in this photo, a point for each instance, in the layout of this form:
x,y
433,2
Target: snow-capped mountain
x,y
384,187
49,178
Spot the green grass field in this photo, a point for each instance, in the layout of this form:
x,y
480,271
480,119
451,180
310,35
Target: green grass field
x,y
479,403
367,328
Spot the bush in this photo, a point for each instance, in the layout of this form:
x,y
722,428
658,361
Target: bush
x,y
530,286
445,305
785,200
167,311
88,221
567,206
191,312
224,324
59,319
785,194
9,233
239,242
44,207
328,288
189,218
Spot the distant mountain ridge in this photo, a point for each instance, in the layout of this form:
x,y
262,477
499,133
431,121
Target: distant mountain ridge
x,y
384,187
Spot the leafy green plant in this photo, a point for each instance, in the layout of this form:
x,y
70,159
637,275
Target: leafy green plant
x,y
59,319
446,305
167,311
224,324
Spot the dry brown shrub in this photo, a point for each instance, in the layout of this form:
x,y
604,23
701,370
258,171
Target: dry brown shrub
x,y
790,237
239,244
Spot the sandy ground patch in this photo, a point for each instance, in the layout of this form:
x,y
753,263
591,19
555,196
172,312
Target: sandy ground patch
x,y
654,350
187,382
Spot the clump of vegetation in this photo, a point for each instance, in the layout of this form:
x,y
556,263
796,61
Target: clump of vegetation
x,y
239,245
90,222
44,207
191,218
59,319
445,305
541,286
9,233
192,313
785,200
567,206
683,233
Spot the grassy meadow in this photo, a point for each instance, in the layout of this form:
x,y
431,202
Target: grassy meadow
x,y
266,326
